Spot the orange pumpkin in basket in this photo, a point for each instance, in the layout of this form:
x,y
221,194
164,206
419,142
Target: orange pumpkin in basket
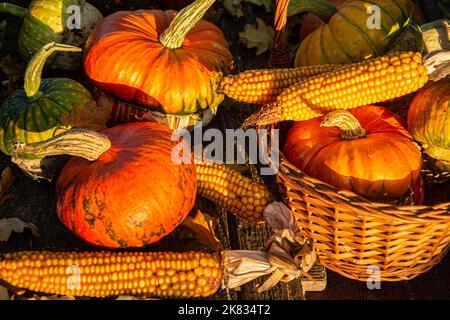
x,y
366,150
133,194
159,59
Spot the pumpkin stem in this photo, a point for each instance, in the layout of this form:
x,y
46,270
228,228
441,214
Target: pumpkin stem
x,y
84,143
183,22
347,123
33,74
321,8
13,9
35,158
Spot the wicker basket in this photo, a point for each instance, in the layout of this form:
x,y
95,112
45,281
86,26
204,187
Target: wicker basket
x,y
353,236
123,111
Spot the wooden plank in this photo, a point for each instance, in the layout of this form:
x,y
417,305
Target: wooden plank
x,y
253,237
245,235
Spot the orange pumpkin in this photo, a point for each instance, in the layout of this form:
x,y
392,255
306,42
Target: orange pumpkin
x,y
159,59
133,194
366,150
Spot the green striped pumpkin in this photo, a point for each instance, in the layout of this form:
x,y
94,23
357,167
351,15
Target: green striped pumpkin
x,y
46,21
346,38
429,120
33,114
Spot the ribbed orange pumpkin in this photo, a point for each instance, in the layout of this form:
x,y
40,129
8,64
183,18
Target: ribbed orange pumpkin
x,y
159,59
132,195
371,153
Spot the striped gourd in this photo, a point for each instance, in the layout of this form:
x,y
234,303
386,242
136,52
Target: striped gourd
x,y
50,21
363,83
33,114
357,31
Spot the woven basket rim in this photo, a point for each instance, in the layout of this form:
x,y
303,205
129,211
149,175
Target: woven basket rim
x,y
357,203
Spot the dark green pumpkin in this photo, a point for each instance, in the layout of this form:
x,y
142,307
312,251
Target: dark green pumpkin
x,y
33,114
45,21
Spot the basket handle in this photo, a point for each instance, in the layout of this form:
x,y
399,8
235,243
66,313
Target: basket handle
x,y
280,56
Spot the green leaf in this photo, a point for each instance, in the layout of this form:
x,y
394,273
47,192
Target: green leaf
x,y
321,8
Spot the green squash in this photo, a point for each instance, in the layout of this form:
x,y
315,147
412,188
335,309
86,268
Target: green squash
x,y
429,120
436,35
347,38
48,21
33,114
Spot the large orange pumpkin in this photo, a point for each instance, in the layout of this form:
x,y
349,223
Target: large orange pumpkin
x,y
370,152
159,59
133,194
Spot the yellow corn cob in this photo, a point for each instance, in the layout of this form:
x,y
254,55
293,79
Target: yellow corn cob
x,y
263,86
355,85
103,274
232,191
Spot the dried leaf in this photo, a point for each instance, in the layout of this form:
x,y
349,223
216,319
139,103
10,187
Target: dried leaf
x,y
6,180
202,226
437,64
233,7
8,225
88,116
266,3
279,216
12,67
4,295
259,36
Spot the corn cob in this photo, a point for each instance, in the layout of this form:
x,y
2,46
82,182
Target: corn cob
x,y
232,191
104,274
355,85
263,86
